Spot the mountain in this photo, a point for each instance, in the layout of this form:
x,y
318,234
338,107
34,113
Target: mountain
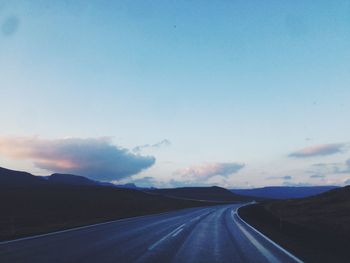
x,y
70,179
283,192
127,186
12,178
214,193
133,186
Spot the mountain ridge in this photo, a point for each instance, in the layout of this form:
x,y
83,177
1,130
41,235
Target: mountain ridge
x,y
284,192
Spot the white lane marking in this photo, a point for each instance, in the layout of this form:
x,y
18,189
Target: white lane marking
x,y
256,243
268,239
177,232
165,237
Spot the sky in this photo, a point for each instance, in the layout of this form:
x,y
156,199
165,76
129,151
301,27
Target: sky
x,y
232,93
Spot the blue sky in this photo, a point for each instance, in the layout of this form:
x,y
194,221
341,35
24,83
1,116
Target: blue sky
x,y
235,87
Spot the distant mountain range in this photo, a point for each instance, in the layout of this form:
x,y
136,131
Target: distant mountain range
x,y
12,178
133,186
213,193
17,179
283,192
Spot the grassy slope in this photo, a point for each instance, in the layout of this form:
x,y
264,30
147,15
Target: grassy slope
x,y
329,212
316,229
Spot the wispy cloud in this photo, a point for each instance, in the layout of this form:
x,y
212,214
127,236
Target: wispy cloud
x,y
319,150
96,158
286,177
347,167
162,143
207,170
315,176
332,168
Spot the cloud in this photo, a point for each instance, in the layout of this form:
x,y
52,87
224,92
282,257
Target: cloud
x,y
147,181
347,182
208,170
319,150
286,177
334,168
322,165
346,169
96,158
162,143
314,176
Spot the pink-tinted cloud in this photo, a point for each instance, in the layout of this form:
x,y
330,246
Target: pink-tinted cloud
x,y
319,150
96,158
207,170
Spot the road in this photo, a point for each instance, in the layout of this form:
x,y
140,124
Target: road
x,y
206,234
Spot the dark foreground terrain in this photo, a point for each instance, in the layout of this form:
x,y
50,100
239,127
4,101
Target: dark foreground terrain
x,y
43,209
34,205
317,229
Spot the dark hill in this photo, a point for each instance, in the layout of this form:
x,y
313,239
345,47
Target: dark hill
x,y
329,211
128,186
283,192
70,179
11,178
214,193
316,228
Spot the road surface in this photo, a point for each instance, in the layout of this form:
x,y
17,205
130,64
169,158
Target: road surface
x,y
206,234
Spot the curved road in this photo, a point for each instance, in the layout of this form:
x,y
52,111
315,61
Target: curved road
x,y
206,234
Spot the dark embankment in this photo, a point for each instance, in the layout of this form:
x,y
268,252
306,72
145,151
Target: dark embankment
x,y
316,229
213,194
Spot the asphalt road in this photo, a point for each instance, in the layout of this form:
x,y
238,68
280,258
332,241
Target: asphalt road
x,y
207,234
